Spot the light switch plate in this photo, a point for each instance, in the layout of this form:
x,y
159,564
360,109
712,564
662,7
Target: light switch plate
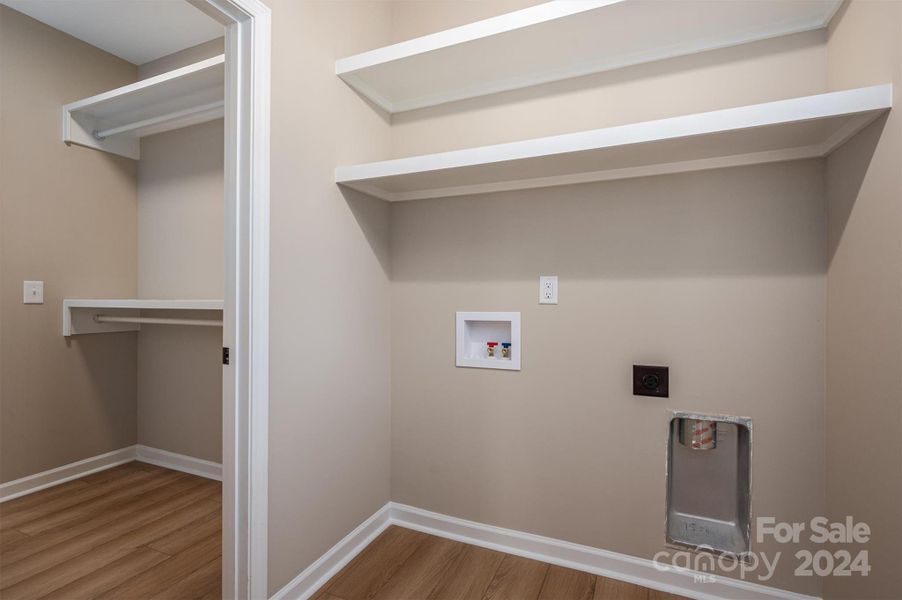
x,y
548,289
33,292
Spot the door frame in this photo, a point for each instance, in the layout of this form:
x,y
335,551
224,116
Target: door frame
x,y
245,414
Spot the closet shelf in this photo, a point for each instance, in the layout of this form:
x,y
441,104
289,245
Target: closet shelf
x,y
806,127
109,315
563,39
115,121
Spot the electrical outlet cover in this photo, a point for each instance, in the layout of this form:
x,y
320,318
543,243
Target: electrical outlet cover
x,y
651,381
548,289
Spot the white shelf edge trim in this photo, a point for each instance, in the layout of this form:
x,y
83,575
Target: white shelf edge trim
x,y
107,140
606,563
352,68
869,101
74,322
94,464
518,19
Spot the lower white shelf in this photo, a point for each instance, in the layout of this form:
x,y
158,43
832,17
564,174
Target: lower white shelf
x,y
489,340
82,316
793,129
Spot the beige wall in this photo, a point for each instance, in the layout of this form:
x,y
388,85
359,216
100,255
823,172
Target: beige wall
x,y
182,58
180,213
864,302
67,217
719,275
413,18
708,81
330,299
180,388
180,255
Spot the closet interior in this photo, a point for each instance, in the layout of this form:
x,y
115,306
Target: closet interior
x,y
113,449
170,124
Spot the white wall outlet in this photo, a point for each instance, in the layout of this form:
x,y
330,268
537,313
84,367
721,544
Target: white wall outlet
x,y
548,289
33,292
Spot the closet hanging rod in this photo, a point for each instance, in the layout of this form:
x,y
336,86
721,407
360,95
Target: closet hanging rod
x,y
197,114
157,321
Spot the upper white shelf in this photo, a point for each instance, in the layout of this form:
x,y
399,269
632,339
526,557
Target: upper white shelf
x,y
115,121
562,39
806,127
80,315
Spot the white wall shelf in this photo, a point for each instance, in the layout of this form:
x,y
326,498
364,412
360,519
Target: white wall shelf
x,y
563,39
475,329
80,315
806,127
115,121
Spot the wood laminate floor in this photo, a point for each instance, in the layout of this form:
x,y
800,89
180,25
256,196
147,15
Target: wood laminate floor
x,y
138,532
132,532
402,564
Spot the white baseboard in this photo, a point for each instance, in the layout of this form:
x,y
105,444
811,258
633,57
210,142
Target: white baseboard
x,y
316,575
179,462
558,552
49,478
162,458
624,567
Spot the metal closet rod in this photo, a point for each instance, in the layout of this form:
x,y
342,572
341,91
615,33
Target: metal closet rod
x,y
157,321
212,109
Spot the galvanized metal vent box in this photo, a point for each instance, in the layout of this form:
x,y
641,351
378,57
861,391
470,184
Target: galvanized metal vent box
x,y
709,482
